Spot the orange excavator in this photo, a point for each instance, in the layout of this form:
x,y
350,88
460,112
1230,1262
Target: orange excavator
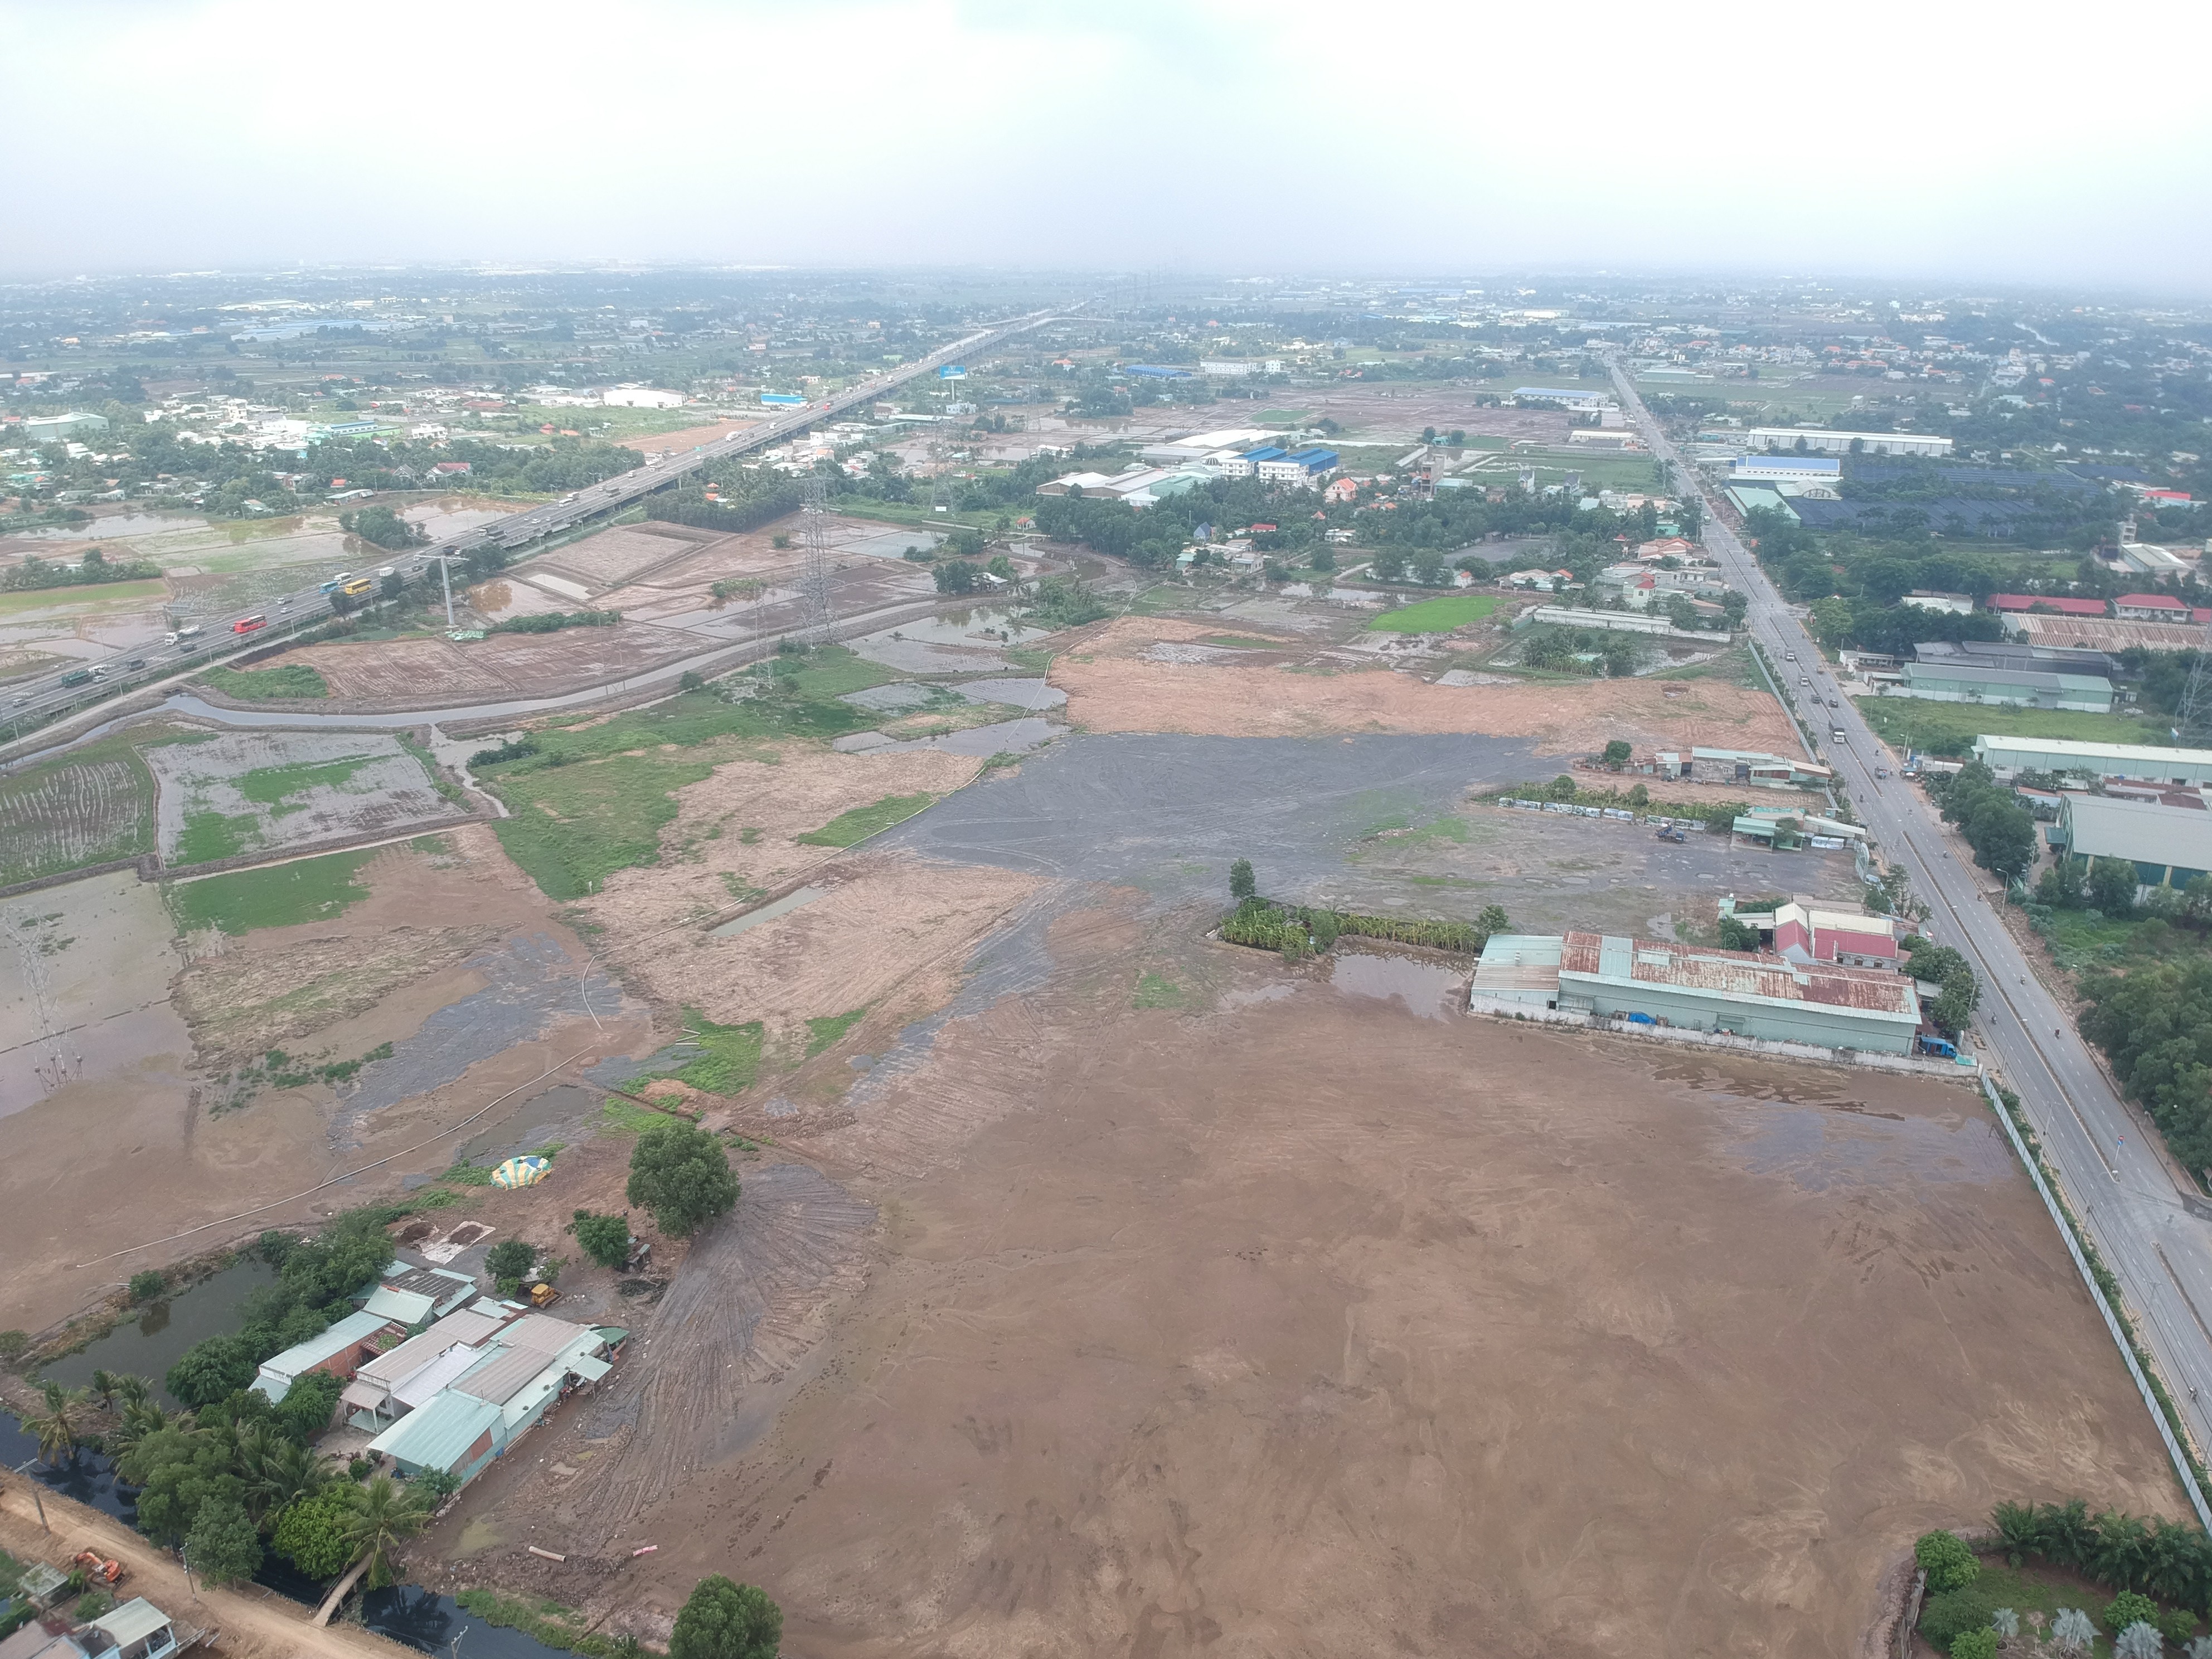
x,y
100,1571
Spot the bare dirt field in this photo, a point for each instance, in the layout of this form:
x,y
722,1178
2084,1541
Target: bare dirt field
x,y
1310,1325
1119,682
886,933
426,671
690,437
738,829
618,556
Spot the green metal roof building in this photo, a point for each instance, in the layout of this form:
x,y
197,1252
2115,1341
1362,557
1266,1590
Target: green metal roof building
x,y
2020,688
2168,846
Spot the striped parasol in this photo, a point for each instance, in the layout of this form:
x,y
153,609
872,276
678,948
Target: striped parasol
x,y
521,1172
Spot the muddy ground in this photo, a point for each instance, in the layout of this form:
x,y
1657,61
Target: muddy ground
x,y
454,958
1306,1320
1142,674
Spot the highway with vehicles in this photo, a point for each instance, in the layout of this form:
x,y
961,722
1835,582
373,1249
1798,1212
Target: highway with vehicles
x,y
33,701
2153,1230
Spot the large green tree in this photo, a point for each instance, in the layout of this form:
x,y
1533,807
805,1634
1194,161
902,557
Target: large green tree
x,y
681,1174
224,1545
214,1367
312,1532
726,1620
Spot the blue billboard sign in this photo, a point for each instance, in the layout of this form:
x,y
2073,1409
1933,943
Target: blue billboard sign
x,y
783,400
952,372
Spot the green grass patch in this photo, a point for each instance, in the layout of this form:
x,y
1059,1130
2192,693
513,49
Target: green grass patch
x,y
85,596
94,804
1157,991
573,826
282,895
848,827
824,1032
268,685
830,670
731,1056
208,836
624,1117
1242,642
1284,416
1438,615
1950,728
465,1174
272,786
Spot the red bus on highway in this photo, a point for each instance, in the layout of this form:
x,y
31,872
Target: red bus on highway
x,y
248,625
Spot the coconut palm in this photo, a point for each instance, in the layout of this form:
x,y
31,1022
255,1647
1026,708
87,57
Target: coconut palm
x,y
2138,1641
2005,1622
2200,1647
383,1515
59,1429
286,1475
133,1390
106,1384
139,1420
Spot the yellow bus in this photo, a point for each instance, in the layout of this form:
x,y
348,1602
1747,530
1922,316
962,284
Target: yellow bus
x,y
355,589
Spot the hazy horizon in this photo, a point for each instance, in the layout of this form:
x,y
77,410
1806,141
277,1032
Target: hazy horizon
x,y
1906,146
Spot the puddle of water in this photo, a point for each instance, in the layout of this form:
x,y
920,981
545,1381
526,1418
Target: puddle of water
x,y
1034,695
162,1332
1426,988
119,524
981,626
534,1123
782,907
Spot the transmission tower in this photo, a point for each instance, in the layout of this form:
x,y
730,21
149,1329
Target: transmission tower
x,y
2195,716
814,577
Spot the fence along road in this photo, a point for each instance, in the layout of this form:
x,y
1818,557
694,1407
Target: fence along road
x,y
2142,1215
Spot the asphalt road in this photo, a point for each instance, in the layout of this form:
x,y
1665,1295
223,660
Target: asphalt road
x,y
2134,1204
37,700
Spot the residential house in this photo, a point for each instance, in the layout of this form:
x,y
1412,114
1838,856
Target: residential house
x,y
2150,607
339,1350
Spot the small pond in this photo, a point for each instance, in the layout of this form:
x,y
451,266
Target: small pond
x,y
157,1339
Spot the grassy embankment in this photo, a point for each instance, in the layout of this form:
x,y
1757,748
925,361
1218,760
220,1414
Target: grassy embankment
x,y
594,799
294,680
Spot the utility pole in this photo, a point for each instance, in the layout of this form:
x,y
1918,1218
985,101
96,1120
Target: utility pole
x,y
37,1498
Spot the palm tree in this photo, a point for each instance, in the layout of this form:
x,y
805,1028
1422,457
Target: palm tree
x,y
385,1515
2072,1630
133,1390
57,1428
285,1475
106,1384
139,1420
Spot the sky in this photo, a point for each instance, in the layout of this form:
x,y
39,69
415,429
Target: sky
x,y
2017,144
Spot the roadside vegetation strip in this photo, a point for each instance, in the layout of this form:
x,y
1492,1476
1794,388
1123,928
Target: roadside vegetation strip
x,y
279,895
91,806
1948,729
851,827
2105,1291
292,681
1438,615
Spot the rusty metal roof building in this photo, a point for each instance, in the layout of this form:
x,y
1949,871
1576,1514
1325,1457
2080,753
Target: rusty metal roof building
x,y
1748,993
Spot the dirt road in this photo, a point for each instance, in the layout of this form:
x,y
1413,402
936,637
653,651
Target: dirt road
x,y
254,1624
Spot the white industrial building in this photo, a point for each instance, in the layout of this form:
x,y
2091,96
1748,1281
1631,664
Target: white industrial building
x,y
640,397
1789,474
2006,757
1821,441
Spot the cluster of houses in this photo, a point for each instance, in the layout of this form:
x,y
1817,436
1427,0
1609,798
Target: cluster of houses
x,y
135,1629
440,1377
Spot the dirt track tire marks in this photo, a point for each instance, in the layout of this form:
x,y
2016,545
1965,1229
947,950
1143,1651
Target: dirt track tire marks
x,y
752,1298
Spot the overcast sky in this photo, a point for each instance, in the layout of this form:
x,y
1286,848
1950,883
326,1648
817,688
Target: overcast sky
x,y
2012,143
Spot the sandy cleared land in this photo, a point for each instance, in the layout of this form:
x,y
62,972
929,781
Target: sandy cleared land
x,y
1313,1326
889,934
615,556
1116,683
738,829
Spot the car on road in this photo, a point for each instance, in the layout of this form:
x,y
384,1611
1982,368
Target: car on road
x,y
135,662
1838,734
1881,771
1804,679
1790,656
1833,704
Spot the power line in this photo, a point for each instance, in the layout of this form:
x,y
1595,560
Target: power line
x,y
814,537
